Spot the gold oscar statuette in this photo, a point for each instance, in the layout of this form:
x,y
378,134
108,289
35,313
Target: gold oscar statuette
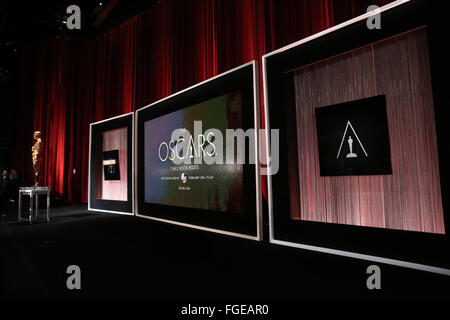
x,y
35,151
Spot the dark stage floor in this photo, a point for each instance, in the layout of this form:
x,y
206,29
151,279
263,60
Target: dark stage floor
x,y
128,257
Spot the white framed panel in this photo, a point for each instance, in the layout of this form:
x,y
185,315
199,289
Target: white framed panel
x,y
416,261
256,199
121,204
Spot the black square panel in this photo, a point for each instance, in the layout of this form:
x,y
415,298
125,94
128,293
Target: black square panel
x,y
353,138
111,165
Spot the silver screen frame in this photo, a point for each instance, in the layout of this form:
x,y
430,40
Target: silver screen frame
x,y
349,254
256,106
90,208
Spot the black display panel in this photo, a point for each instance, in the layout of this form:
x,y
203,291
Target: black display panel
x,y
183,173
353,138
401,246
111,165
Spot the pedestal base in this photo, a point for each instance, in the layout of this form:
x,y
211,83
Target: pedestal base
x,y
34,192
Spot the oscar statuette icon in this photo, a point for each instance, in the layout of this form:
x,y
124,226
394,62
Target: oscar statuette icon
x,y
350,144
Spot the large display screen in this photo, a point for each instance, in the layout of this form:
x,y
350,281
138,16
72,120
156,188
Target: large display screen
x,y
197,156
176,147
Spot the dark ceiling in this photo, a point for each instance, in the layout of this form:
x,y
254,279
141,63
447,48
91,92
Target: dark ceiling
x,y
22,22
26,22
40,19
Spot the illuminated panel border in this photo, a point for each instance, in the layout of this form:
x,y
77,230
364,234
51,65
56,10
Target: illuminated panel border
x,y
362,254
131,183
255,122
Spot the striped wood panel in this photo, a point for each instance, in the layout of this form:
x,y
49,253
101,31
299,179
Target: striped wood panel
x,y
115,189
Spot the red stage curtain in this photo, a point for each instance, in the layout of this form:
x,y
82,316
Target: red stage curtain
x,y
68,83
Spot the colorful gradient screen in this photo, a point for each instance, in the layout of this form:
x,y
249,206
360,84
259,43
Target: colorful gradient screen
x,y
189,181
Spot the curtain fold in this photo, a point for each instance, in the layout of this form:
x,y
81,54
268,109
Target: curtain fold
x,y
69,83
